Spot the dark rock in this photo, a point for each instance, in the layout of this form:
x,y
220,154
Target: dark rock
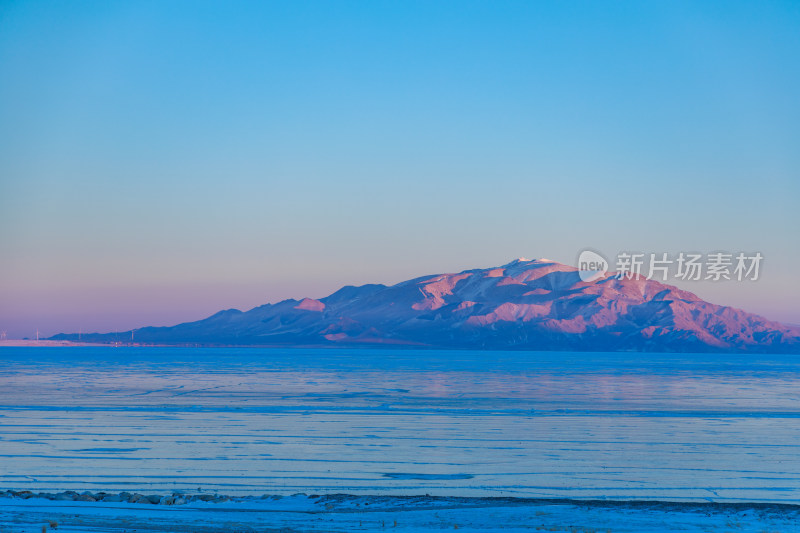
x,y
138,498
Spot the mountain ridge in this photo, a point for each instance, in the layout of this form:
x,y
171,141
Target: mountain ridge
x,y
522,305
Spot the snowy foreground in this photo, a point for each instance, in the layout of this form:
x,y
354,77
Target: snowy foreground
x,y
377,513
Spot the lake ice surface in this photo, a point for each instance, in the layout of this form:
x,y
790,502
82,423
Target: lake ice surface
x,y
690,427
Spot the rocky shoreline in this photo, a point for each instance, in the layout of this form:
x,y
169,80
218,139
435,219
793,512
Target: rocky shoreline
x,y
176,498
339,499
89,512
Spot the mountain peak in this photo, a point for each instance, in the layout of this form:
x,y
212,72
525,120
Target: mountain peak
x,y
525,304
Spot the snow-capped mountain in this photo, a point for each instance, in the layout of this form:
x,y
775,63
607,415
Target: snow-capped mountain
x,y
525,304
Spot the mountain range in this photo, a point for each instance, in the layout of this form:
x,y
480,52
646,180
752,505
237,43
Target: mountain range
x,y
522,305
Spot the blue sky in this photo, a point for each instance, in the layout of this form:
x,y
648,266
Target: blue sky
x,y
160,161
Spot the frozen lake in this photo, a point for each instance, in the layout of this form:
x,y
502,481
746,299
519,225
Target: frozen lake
x,y
401,422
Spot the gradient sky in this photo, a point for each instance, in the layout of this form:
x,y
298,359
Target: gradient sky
x,y
160,161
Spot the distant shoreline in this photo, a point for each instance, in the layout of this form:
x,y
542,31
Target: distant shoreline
x,y
44,343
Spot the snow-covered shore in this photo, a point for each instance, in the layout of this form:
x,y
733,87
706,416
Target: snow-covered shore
x,y
24,512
